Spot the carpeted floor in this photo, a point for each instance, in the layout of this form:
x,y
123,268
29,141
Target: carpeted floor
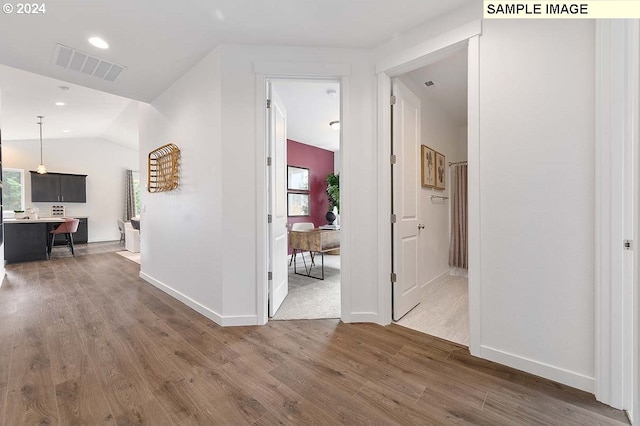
x,y
310,298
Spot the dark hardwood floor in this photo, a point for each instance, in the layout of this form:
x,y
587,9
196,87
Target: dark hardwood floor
x,y
84,341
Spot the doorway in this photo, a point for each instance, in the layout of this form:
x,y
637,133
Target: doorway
x,y
303,188
429,198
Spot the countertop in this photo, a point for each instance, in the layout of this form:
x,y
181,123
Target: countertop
x,y
40,220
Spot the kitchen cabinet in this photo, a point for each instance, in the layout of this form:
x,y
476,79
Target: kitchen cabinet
x,y
25,241
58,188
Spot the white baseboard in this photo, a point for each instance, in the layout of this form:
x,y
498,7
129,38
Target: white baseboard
x,y
566,377
423,287
361,317
436,279
237,320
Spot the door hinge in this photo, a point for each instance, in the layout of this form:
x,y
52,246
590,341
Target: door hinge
x,y
394,277
270,276
628,244
393,159
269,218
394,218
268,161
393,100
268,103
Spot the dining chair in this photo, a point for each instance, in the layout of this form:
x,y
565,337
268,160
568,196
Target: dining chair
x,y
121,228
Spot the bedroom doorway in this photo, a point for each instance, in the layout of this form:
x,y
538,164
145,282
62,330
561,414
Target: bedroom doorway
x,y
308,165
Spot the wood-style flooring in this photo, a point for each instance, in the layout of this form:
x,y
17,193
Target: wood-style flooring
x,y
443,310
84,341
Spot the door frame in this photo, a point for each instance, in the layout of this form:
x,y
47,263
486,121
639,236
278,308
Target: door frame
x,y
616,210
300,71
401,63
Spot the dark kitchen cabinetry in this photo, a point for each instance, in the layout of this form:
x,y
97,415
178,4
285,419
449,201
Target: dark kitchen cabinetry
x,y
58,188
25,242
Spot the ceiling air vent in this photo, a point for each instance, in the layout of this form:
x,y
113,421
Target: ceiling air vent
x,y
73,59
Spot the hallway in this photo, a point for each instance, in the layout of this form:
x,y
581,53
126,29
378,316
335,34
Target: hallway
x,y
84,340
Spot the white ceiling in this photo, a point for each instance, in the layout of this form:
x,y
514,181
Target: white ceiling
x,y
310,109
88,113
158,40
449,76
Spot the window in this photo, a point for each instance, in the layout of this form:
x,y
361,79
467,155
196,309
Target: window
x,y
12,189
136,190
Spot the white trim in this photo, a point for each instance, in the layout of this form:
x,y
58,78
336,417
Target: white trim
x,y
437,279
212,315
346,191
406,61
364,316
634,37
422,54
298,71
473,162
616,127
570,378
262,205
384,200
302,69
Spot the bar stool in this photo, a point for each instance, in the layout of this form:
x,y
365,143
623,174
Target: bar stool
x,y
68,228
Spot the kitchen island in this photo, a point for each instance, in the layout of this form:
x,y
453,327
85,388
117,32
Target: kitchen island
x,y
26,239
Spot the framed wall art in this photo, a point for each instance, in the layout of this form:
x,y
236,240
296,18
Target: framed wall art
x,y
297,204
428,169
441,171
297,178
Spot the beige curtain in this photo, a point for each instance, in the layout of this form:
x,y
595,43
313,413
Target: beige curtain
x,y
458,248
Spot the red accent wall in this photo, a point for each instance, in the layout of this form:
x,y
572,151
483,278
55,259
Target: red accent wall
x,y
320,164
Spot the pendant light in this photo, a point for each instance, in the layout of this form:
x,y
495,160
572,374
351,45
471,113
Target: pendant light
x,y
41,168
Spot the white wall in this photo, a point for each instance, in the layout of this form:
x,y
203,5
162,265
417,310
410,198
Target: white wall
x,y
536,109
239,178
441,133
536,104
181,238
537,196
461,151
209,261
103,162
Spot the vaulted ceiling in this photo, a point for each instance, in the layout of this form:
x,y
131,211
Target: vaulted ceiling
x,y
156,41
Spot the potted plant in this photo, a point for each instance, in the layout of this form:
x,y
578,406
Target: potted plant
x,y
333,191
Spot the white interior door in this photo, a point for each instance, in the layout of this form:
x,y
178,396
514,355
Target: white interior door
x,y
406,186
279,282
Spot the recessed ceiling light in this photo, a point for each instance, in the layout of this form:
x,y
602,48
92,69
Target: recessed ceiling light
x,y
335,125
60,104
66,131
98,42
